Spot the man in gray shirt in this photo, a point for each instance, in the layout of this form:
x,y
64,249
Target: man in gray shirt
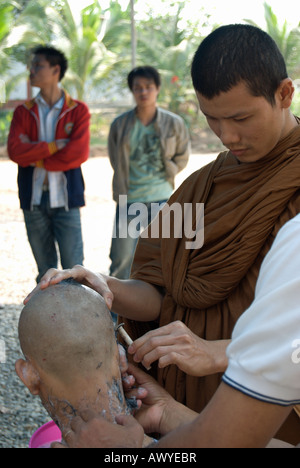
x,y
147,146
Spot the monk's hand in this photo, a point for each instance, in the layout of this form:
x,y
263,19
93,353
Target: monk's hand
x,y
89,430
176,344
80,274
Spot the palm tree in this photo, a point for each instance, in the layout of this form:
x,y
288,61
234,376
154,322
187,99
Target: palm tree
x,y
93,47
5,20
169,44
288,40
82,43
9,11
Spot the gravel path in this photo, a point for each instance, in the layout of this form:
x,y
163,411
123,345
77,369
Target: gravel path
x,y
21,413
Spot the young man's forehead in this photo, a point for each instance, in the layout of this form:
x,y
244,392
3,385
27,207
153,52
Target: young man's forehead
x,y
38,58
143,80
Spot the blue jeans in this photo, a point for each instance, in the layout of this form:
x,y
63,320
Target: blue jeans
x,y
47,226
123,244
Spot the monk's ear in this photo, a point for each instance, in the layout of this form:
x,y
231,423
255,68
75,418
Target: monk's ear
x,y
285,93
29,375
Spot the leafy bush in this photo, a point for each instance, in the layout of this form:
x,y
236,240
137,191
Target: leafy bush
x,y
296,100
5,121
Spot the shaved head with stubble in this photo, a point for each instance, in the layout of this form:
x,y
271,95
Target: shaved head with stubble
x,y
71,355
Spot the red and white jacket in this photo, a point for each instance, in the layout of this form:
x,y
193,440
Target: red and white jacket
x,y
72,124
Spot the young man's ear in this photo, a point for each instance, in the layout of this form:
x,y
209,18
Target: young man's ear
x,y
56,71
286,93
29,376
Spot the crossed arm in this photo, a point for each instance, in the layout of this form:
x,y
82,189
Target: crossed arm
x,y
59,155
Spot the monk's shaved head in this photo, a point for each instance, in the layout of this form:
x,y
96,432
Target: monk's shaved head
x,y
67,330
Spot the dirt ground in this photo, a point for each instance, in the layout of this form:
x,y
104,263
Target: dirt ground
x,y
18,269
20,413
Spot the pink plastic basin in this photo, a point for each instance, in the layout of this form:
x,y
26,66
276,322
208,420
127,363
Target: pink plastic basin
x,y
45,436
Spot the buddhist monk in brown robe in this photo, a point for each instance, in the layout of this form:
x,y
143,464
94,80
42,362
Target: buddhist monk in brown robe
x,y
181,304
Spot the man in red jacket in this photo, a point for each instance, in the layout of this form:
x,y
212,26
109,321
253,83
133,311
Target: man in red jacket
x,y
49,140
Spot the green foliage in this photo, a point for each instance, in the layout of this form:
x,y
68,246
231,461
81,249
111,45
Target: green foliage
x,y
168,42
99,46
5,121
288,40
7,10
296,101
99,128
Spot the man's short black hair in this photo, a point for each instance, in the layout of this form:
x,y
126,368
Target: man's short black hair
x,y
235,53
54,57
144,72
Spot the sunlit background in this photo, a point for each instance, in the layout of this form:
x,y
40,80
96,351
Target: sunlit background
x,y
104,39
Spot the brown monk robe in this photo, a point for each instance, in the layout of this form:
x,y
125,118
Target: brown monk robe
x,y
208,289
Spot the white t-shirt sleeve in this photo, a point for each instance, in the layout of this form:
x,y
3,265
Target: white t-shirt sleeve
x,y
264,355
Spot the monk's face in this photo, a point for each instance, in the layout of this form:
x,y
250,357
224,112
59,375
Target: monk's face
x,y
249,126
